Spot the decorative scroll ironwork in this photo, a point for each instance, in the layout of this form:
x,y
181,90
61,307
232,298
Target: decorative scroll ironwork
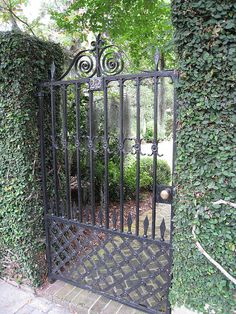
x,y
100,60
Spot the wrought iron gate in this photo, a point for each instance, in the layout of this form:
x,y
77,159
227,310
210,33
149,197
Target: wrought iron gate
x,y
110,247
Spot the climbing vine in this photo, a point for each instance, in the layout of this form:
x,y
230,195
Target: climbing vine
x,y
205,168
24,62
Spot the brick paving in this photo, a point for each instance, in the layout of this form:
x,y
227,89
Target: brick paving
x,y
62,298
80,301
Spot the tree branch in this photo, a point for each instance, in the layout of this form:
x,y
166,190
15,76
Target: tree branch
x,y
225,203
9,9
201,249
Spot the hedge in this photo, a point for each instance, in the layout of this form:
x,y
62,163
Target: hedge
x,y
24,62
205,39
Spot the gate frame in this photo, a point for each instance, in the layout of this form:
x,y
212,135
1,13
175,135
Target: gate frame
x,y
96,83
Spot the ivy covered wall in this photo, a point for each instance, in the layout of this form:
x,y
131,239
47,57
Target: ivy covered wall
x,y
205,39
24,62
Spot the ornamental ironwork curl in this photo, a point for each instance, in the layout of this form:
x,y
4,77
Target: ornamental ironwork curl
x,y
111,60
100,60
84,65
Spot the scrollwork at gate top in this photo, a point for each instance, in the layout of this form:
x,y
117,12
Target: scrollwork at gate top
x,y
100,60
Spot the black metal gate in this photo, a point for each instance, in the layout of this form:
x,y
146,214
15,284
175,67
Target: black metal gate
x,y
97,237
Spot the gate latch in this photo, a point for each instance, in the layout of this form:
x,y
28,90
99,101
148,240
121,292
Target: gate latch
x,y
164,194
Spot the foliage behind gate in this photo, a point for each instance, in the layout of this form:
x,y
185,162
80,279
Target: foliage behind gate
x,y
24,62
206,46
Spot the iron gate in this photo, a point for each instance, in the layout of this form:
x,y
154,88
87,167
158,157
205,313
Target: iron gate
x,y
121,251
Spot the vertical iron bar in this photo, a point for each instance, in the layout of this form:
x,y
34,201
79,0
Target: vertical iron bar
x,y
138,143
121,146
54,148
106,157
155,151
91,155
174,79
42,151
97,55
44,184
65,144
78,139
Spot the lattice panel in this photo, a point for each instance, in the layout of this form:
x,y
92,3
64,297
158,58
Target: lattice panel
x,y
126,268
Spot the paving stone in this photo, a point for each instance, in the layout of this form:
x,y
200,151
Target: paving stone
x,y
9,302
98,305
111,307
36,311
41,304
26,309
62,293
120,309
59,310
80,301
129,310
54,288
14,300
80,311
72,294
84,300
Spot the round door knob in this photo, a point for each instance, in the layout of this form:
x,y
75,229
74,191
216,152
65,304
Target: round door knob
x,y
165,194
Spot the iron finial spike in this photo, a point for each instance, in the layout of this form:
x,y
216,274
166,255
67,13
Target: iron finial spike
x,y
99,35
163,229
129,221
97,50
145,226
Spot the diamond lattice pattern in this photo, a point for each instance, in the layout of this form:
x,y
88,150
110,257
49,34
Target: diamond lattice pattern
x,y
132,269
